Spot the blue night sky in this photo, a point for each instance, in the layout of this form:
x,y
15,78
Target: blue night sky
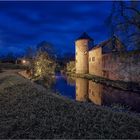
x,y
24,24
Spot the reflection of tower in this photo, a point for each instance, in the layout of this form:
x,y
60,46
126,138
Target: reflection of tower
x,y
81,89
82,45
95,92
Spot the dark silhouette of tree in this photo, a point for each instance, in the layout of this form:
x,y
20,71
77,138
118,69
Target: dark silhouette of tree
x,y
30,52
124,20
10,57
47,47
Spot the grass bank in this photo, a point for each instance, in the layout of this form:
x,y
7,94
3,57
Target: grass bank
x,y
11,66
28,110
127,86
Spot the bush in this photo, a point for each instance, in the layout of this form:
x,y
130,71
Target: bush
x,y
71,66
44,66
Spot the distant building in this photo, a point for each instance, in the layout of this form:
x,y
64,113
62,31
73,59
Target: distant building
x,y
107,59
23,61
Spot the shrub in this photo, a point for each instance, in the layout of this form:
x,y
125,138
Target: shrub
x,y
71,66
44,66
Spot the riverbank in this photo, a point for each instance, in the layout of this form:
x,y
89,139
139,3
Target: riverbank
x,y
127,86
30,111
11,66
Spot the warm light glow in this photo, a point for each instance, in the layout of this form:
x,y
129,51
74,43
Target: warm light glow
x,y
23,61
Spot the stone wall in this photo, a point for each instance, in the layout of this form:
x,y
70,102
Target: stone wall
x,y
95,61
114,66
125,67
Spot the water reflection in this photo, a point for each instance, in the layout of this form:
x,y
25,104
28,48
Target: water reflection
x,y
104,95
85,90
65,86
81,89
95,92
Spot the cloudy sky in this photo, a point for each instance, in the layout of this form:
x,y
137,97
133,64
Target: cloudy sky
x,y
24,24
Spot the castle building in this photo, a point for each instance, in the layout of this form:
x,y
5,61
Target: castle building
x,y
82,48
105,59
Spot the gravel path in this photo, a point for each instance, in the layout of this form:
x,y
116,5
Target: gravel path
x,y
28,110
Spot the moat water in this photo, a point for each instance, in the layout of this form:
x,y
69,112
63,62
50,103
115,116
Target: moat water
x,y
88,91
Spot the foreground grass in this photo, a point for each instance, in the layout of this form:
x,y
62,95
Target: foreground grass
x,y
29,111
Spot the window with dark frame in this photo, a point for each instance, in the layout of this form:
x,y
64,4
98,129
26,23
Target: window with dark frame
x,y
93,58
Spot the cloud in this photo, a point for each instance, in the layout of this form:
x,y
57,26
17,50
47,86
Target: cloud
x,y
26,23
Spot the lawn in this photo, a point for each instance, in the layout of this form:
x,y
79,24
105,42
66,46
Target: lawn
x,y
28,110
11,66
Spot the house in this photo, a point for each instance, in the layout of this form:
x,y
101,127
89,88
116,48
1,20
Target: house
x,y
107,59
24,61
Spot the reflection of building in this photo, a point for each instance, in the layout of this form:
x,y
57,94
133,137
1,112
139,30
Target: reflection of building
x,y
81,89
106,59
88,90
95,93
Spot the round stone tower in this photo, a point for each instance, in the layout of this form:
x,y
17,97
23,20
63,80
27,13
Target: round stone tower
x,y
82,45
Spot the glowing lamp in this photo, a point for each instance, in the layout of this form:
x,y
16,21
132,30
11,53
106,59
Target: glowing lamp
x,y
23,61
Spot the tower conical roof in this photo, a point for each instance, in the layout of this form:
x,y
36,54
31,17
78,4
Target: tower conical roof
x,y
84,36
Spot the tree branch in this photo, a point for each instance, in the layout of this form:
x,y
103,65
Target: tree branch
x,y
133,9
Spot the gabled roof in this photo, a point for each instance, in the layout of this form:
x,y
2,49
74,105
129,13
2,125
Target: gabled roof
x,y
84,36
111,45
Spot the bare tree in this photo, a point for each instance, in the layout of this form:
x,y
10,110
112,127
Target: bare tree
x,y
47,47
30,52
124,20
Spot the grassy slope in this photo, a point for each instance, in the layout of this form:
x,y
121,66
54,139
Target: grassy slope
x,y
11,66
29,111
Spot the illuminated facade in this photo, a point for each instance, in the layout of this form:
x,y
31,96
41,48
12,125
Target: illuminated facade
x,y
105,60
